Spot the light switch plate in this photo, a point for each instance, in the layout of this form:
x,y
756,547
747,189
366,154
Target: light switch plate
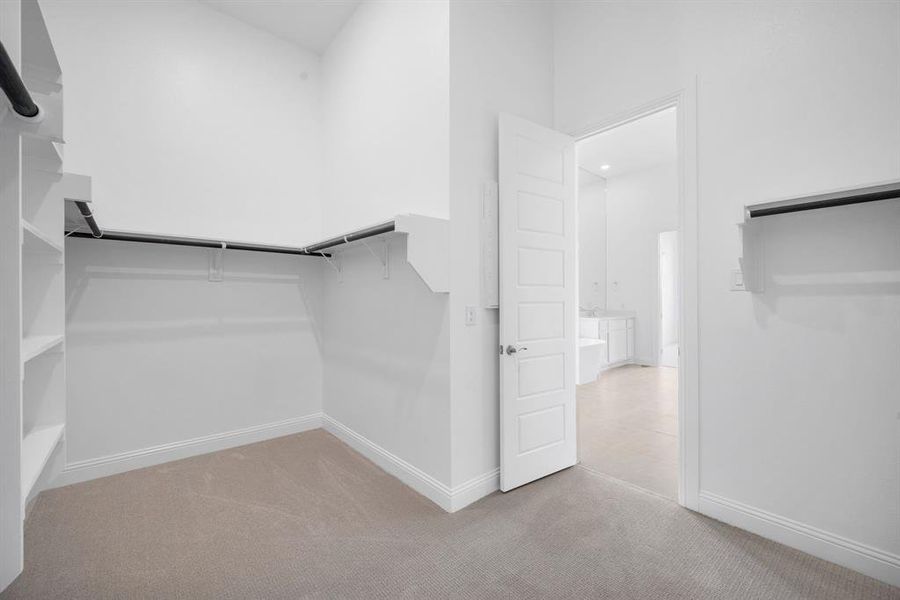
x,y
737,281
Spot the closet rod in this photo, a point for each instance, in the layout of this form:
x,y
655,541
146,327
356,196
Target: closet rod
x,y
312,250
886,191
12,85
359,234
88,217
121,236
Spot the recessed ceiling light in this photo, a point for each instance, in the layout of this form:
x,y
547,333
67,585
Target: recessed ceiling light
x,y
604,167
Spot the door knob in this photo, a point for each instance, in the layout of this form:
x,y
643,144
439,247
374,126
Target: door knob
x,y
512,349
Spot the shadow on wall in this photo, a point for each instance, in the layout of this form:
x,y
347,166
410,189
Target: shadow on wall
x,y
811,256
150,279
157,354
387,358
388,331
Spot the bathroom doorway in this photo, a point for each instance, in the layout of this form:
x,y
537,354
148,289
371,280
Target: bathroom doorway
x,y
628,197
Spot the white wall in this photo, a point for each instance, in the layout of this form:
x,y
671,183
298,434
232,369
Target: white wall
x,y
592,238
798,402
386,115
386,356
189,121
157,354
639,206
500,60
386,123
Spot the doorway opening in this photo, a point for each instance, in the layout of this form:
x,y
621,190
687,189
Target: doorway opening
x,y
629,302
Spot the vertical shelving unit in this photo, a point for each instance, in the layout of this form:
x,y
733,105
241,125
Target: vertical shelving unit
x,y
32,278
43,301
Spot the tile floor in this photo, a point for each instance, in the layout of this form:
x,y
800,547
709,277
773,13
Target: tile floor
x,y
627,427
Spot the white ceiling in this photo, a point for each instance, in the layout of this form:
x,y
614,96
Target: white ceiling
x,y
641,144
311,24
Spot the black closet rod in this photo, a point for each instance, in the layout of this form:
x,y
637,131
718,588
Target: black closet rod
x,y
121,236
14,88
887,191
351,237
313,250
88,217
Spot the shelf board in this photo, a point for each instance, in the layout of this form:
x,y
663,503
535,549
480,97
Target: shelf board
x,y
427,248
882,191
584,342
35,241
37,447
40,64
35,345
43,154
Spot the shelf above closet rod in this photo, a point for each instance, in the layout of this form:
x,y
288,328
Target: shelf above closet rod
x,y
872,193
96,232
77,191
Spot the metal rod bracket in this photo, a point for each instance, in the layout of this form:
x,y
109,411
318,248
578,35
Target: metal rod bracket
x,y
335,264
217,263
384,259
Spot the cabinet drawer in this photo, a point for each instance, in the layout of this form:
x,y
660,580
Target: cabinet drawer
x,y
617,324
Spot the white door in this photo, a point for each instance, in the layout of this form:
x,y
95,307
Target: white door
x,y
538,302
668,299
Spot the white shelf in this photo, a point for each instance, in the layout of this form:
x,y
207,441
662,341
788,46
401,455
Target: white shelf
x,y
583,342
35,241
40,65
428,249
751,261
42,154
37,447
35,345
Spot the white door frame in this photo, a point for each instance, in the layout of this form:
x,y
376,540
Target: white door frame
x,y
685,103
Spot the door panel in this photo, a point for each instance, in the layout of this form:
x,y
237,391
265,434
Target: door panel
x,y
541,266
541,321
542,374
538,301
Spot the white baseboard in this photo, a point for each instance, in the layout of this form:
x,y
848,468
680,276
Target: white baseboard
x,y
870,561
476,488
450,499
94,468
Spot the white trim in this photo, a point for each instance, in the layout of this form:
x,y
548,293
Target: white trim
x,y
94,468
475,489
448,498
870,561
685,103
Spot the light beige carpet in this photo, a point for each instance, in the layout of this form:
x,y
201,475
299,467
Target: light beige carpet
x,y
306,517
627,427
